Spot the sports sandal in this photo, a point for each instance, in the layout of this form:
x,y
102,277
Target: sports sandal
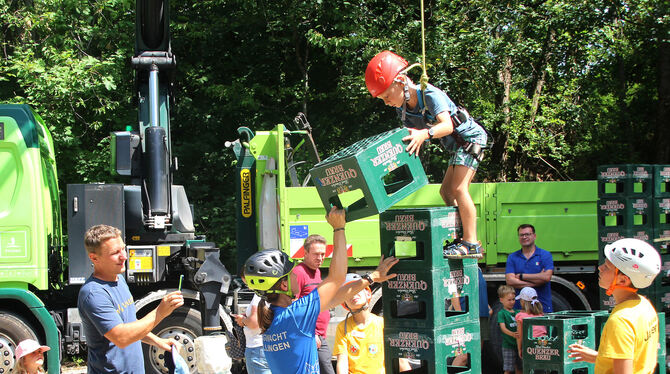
x,y
463,249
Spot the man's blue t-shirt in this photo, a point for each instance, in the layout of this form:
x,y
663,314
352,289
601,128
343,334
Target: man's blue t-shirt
x,y
102,306
438,102
540,260
289,343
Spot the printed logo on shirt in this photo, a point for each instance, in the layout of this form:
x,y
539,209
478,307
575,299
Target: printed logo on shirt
x,y
124,305
276,342
373,349
354,349
312,369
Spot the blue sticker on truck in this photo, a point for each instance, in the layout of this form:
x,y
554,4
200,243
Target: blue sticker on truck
x,y
299,232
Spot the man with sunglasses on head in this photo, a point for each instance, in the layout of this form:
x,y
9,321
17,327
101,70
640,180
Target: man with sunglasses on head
x,y
530,266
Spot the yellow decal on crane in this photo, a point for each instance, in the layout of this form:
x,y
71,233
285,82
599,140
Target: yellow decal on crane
x,y
245,192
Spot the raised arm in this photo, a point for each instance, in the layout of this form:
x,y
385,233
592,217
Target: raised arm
x,y
338,263
379,275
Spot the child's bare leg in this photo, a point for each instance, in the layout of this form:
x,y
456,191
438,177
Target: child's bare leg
x,y
449,200
457,179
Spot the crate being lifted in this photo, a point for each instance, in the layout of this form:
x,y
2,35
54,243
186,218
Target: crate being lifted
x,y
369,176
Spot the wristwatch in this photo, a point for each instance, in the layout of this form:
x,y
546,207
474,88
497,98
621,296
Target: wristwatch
x,y
520,276
431,133
368,278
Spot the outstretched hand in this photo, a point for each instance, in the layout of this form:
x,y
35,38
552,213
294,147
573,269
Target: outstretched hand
x,y
381,272
579,352
416,138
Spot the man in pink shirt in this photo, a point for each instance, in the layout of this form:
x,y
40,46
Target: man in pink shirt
x,y
308,276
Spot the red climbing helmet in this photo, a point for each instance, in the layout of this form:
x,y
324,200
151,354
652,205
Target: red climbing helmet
x,y
382,70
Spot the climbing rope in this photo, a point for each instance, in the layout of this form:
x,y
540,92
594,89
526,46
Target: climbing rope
x,y
424,75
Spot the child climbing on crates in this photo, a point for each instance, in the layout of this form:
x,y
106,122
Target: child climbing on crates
x,y
530,307
359,339
507,322
629,339
430,114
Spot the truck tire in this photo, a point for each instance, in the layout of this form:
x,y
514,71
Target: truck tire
x,y
559,303
13,329
184,325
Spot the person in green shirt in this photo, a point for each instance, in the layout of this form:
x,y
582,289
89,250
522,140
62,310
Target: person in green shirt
x,y
511,360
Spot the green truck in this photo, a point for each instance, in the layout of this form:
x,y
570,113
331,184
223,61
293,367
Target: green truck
x,y
563,213
40,274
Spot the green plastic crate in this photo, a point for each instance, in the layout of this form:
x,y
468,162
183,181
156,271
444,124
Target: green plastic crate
x,y
551,349
605,302
418,236
625,180
662,344
663,246
375,173
661,212
599,319
661,181
450,349
608,235
630,212
432,298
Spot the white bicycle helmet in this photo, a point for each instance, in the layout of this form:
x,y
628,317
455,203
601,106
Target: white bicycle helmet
x,y
636,259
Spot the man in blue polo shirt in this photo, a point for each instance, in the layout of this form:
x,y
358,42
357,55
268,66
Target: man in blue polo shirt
x,y
530,266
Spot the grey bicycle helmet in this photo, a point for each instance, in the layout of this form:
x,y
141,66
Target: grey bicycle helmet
x,y
263,269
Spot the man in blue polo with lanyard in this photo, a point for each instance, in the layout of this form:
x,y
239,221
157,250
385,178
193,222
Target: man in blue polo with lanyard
x,y
531,266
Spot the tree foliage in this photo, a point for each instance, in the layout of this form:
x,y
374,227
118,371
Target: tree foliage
x,y
561,85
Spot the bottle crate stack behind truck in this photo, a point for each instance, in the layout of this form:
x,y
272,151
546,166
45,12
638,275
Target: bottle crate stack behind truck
x,y
634,202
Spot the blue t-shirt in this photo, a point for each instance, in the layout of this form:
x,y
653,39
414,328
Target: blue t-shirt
x,y
289,343
540,260
438,102
102,306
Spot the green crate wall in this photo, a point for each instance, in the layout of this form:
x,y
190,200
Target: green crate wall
x,y
625,180
378,166
418,236
549,352
661,181
436,349
432,298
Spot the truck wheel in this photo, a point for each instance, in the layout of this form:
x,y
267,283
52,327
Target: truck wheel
x,y
559,302
183,325
13,329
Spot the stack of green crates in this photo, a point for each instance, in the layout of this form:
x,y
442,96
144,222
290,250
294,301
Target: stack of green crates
x,y
634,202
374,173
625,208
431,308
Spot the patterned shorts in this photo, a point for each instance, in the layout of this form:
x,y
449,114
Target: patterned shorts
x,y
461,157
511,359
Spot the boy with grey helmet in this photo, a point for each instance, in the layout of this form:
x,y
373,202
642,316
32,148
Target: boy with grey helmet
x,y
629,340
